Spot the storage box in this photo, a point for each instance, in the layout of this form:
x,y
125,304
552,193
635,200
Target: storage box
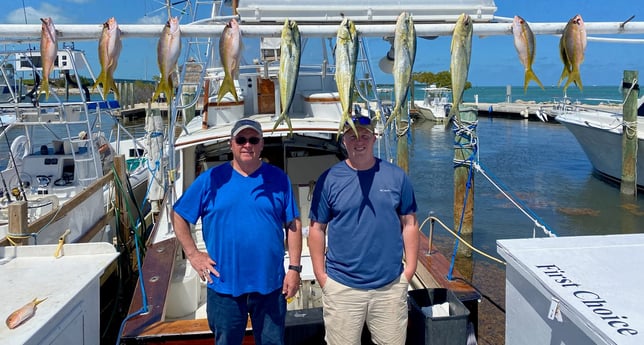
x,y
446,330
574,290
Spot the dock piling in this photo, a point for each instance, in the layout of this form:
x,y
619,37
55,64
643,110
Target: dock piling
x,y
628,184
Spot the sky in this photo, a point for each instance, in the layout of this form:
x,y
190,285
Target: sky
x,y
494,60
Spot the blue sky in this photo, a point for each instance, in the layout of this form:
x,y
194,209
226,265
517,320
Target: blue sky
x,y
494,59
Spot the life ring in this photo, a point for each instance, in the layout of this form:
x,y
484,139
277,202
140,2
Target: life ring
x,y
20,148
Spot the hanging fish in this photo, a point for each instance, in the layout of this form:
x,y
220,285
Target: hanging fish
x,y
404,56
23,314
48,51
109,49
461,50
573,41
290,51
524,42
168,49
346,57
230,45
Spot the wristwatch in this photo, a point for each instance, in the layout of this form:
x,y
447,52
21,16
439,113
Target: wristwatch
x,y
297,269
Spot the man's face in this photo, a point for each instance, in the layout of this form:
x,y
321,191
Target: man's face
x,y
247,145
361,144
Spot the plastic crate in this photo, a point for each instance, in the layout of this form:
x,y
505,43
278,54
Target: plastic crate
x,y
446,330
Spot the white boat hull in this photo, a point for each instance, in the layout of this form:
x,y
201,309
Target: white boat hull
x,y
600,136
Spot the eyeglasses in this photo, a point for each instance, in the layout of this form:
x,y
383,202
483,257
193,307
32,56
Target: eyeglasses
x,y
244,140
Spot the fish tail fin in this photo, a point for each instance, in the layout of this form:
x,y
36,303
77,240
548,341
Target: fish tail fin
x,y
564,74
576,78
102,79
165,86
45,88
529,75
395,114
284,118
227,85
111,85
37,301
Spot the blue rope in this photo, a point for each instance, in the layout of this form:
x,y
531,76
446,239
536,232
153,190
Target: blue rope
x,y
144,297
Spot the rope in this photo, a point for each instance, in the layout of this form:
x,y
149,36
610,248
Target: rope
x,y
453,233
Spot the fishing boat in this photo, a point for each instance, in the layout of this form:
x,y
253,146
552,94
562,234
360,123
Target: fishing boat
x,y
169,302
600,134
435,104
57,180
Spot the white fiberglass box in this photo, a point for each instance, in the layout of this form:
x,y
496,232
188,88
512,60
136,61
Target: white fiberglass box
x,y
70,314
574,290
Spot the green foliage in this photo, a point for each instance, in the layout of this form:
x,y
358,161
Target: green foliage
x,y
440,79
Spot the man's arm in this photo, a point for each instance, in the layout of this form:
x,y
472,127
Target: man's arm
x,y
294,243
200,261
317,246
411,241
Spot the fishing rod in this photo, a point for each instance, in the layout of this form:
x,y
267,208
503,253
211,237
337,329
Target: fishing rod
x,y
15,168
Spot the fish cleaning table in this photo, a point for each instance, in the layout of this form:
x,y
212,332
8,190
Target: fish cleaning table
x,y
71,312
574,290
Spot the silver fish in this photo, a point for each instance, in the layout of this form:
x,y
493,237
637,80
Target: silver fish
x,y
168,50
230,45
404,56
109,49
346,56
290,52
524,43
48,51
573,44
461,50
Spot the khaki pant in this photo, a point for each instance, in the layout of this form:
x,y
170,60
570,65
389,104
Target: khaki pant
x,y
384,310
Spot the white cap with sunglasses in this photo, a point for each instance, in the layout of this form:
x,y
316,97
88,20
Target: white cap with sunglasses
x,y
246,123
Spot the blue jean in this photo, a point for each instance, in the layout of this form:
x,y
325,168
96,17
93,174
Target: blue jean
x,y
227,317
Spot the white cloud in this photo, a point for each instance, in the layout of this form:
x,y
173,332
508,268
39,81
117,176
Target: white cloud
x,y
33,15
158,19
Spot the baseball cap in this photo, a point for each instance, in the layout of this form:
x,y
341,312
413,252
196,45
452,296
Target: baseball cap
x,y
246,123
359,121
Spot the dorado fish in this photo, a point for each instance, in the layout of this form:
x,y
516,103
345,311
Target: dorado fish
x,y
573,41
346,56
48,51
404,55
168,49
524,43
23,314
230,45
109,49
461,50
290,48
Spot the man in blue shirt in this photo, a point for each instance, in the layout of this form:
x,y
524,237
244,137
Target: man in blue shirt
x,y
244,207
365,208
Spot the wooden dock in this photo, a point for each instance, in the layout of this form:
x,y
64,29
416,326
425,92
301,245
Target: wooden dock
x,y
527,109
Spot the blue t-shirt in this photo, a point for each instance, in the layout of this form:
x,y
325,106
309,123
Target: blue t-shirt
x,y
362,209
243,220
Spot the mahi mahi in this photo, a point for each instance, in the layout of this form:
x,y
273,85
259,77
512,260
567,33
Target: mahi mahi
x,y
524,43
461,50
109,49
168,49
346,56
230,45
290,48
573,42
404,56
48,51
